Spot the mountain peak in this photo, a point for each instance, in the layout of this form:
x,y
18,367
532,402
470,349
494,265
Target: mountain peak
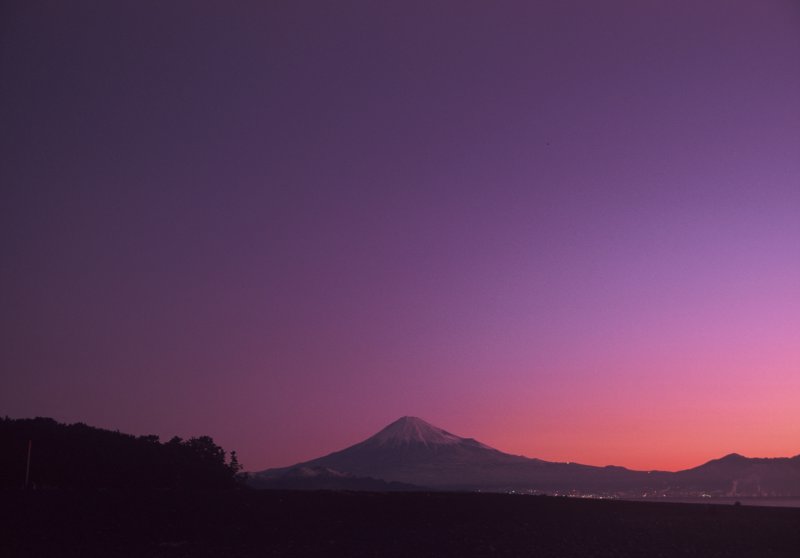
x,y
733,457
413,430
731,460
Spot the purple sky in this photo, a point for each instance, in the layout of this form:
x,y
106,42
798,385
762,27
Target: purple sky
x,y
568,229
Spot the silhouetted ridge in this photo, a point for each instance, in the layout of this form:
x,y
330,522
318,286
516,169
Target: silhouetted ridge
x,y
80,456
733,458
728,462
325,478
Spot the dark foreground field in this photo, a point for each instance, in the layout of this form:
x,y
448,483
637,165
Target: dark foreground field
x,y
252,523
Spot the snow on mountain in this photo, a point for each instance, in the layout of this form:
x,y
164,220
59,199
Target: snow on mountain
x,y
414,452
412,430
410,450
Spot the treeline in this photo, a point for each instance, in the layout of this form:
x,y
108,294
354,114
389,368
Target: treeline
x,y
81,456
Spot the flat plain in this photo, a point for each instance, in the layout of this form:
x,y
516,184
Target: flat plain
x,y
249,523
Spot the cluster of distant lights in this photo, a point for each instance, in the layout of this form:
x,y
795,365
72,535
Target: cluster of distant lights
x,y
612,496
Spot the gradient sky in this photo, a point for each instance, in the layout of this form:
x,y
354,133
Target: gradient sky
x,y
569,229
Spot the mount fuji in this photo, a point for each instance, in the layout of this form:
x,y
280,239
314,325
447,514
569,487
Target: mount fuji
x,y
411,452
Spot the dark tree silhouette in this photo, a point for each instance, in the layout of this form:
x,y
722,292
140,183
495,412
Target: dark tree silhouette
x,y
80,456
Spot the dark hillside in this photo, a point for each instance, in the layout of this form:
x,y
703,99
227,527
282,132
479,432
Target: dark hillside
x,y
80,456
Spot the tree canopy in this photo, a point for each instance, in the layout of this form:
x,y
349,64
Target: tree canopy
x,y
81,456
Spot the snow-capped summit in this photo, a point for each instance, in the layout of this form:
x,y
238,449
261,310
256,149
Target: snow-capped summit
x,y
413,430
413,451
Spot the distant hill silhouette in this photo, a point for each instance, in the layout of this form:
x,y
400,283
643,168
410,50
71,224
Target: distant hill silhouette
x,y
80,456
413,451
323,478
736,475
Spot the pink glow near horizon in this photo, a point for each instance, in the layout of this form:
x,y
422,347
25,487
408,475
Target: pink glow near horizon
x,y
570,232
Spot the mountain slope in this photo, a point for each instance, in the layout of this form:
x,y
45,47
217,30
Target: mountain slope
x,y
323,478
736,475
413,451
